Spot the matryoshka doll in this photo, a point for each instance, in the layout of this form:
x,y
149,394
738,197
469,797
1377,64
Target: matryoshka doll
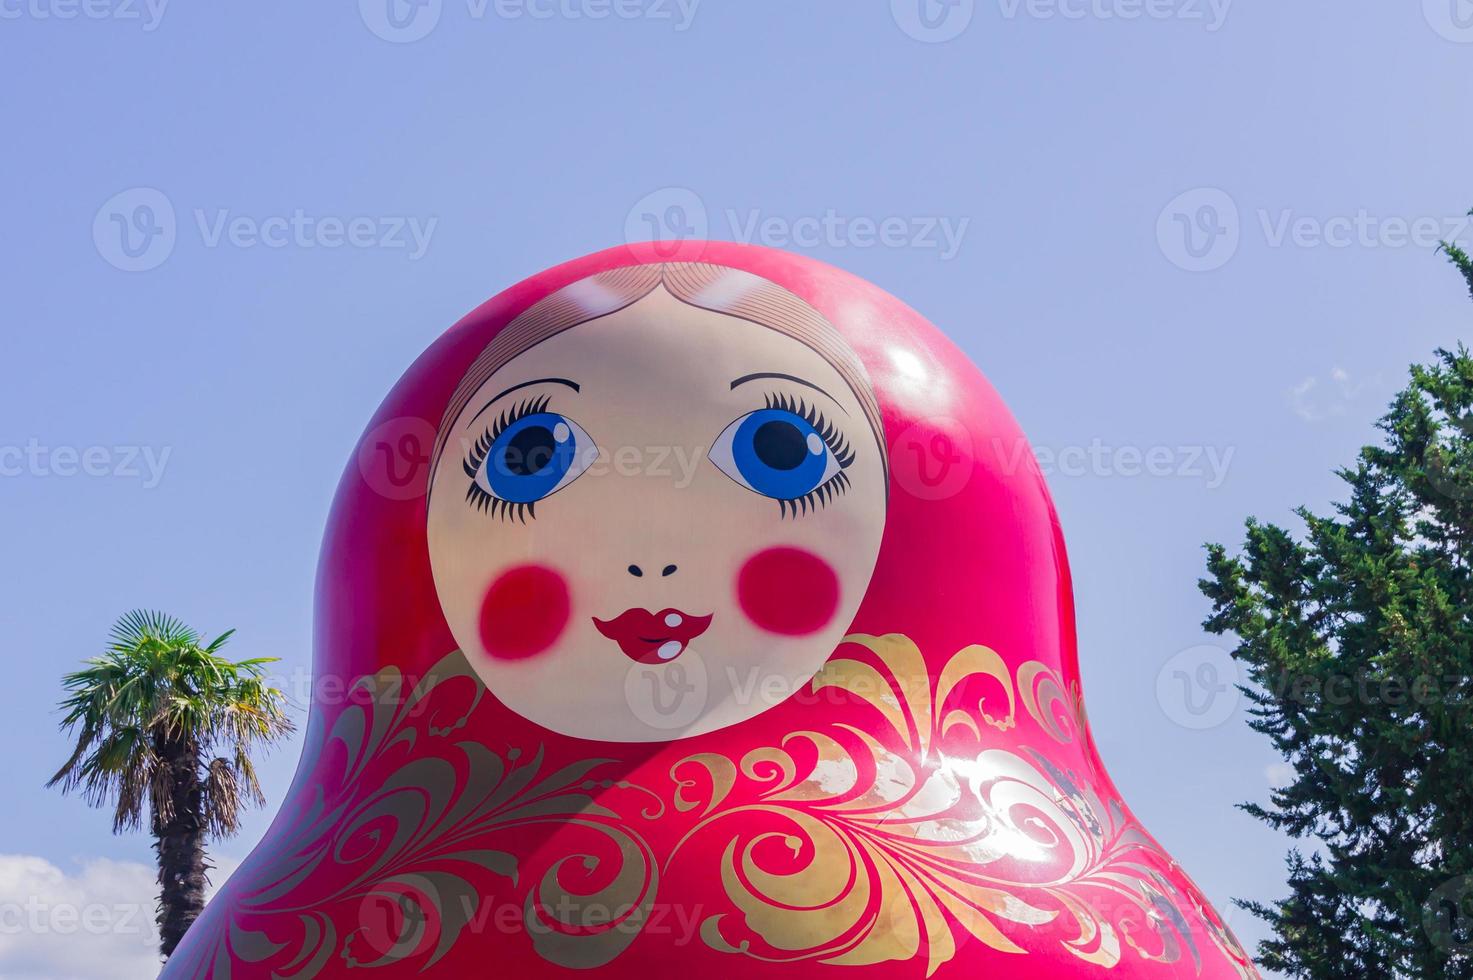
x,y
703,617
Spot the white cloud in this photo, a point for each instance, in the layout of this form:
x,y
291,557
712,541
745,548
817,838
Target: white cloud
x,y
95,922
1314,403
1279,774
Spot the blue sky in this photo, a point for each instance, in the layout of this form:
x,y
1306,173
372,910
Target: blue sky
x,y
1189,241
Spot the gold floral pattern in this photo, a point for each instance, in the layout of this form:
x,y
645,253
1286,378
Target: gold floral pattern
x,y
896,831
413,830
864,844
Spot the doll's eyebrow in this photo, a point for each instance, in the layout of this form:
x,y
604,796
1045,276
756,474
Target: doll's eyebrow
x,y
524,384
787,377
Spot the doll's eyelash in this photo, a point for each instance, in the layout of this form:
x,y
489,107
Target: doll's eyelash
x,y
505,510
475,495
818,497
508,417
832,437
835,485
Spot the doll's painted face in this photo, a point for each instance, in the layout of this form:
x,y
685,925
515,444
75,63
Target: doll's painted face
x,y
655,524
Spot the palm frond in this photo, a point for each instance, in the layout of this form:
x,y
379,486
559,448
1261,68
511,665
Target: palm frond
x,y
157,698
141,626
223,805
220,641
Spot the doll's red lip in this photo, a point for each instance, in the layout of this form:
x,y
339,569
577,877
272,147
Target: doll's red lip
x,y
652,638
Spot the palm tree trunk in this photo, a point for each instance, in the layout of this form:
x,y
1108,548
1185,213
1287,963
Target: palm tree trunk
x,y
180,844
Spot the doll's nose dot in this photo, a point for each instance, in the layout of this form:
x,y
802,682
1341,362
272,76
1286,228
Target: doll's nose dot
x,y
636,571
669,570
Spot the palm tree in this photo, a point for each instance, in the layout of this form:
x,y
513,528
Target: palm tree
x,y
150,714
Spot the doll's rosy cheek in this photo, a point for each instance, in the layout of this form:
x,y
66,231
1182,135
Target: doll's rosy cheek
x,y
524,612
788,591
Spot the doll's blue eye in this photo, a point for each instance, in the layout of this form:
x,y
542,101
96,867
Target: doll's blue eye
x,y
777,453
533,457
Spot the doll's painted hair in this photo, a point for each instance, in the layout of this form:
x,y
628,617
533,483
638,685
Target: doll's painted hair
x,y
717,288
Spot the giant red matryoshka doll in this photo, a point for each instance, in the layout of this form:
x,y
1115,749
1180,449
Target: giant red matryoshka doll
x,y
703,617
